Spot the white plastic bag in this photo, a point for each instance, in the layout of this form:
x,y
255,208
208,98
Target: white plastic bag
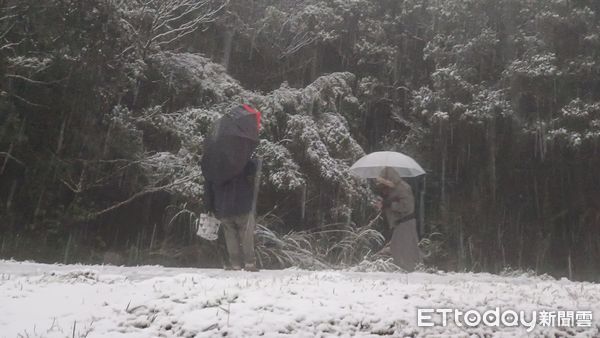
x,y
208,227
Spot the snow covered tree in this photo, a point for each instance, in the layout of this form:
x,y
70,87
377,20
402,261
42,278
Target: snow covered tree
x,y
104,106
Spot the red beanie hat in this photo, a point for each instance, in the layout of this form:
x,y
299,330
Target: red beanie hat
x,y
256,113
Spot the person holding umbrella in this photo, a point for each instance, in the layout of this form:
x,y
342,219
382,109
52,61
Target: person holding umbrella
x,y
230,187
396,201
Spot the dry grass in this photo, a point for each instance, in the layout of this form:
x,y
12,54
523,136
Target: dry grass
x,y
332,246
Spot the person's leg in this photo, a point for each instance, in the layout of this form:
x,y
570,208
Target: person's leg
x,y
404,245
232,240
222,249
247,227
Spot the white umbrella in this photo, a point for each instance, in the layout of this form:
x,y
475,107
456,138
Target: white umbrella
x,y
371,165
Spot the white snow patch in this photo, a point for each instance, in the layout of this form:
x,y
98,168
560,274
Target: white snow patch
x,y
41,300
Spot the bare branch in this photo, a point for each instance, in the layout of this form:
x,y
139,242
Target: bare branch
x,y
6,17
298,42
10,45
27,101
79,187
8,30
9,156
189,10
116,160
74,188
20,77
140,194
135,31
165,29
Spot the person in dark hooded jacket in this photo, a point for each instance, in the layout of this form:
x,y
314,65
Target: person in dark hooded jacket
x,y
230,194
232,203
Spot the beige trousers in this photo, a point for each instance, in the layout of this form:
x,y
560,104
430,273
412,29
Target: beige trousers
x,y
239,238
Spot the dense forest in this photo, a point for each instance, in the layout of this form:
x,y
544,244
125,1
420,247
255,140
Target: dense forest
x,y
104,105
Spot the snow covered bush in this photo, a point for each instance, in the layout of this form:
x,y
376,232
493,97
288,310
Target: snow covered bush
x,y
577,125
193,79
279,169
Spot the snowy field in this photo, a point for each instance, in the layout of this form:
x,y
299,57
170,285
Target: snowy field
x,y
39,300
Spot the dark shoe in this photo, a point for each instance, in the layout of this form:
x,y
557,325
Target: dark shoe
x,y
251,268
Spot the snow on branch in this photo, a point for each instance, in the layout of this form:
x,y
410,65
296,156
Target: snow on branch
x,y
187,72
304,132
279,168
161,22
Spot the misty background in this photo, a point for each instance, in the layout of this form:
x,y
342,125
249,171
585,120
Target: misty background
x,y
104,105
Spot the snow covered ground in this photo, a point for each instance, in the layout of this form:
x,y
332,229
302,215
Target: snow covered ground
x,y
40,300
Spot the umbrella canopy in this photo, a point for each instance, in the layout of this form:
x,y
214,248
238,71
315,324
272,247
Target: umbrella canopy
x,y
231,144
372,165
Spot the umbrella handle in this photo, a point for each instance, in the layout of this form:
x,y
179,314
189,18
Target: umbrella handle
x,y
256,185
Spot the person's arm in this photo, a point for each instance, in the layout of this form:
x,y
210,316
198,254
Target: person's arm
x,y
250,169
253,166
401,202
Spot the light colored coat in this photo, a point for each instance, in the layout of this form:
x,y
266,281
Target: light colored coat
x,y
398,204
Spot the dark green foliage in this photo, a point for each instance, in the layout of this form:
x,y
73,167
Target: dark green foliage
x,y
104,105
